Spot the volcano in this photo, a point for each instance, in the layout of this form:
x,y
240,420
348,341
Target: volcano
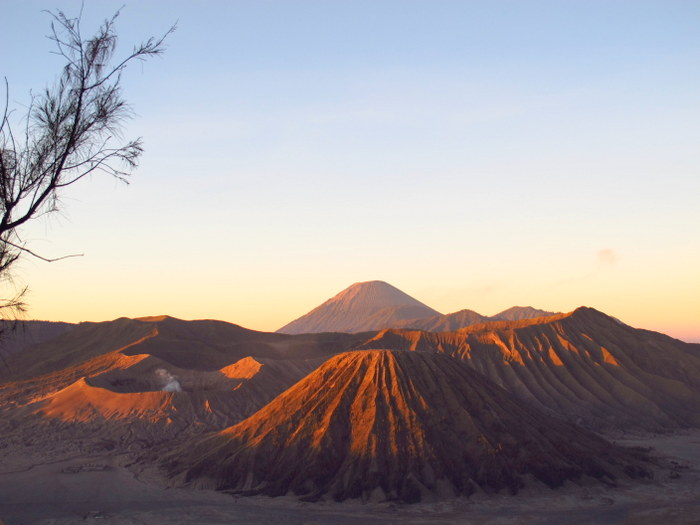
x,y
399,426
362,307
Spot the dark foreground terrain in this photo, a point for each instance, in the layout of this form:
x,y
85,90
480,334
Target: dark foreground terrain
x,y
37,490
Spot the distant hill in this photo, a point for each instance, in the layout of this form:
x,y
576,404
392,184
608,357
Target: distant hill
x,y
516,313
397,426
362,307
444,323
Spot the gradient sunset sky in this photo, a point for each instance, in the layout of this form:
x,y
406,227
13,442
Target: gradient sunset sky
x,y
474,154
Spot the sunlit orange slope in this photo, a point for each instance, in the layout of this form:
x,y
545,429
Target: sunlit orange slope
x,y
396,425
84,402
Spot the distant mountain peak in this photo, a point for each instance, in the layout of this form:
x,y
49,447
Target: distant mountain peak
x,y
363,306
379,293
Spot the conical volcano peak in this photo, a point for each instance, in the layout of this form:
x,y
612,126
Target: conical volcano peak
x,y
376,294
364,306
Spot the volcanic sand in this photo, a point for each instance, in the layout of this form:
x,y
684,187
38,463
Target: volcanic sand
x,y
106,489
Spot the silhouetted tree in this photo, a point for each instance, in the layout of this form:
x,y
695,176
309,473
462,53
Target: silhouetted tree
x,y
72,129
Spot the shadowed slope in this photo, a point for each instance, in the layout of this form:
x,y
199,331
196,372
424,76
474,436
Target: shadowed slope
x,y
584,366
15,336
395,425
362,307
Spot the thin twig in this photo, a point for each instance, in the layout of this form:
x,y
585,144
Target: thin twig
x,y
27,250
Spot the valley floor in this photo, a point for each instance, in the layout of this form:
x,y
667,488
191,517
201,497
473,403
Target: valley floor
x,y
103,489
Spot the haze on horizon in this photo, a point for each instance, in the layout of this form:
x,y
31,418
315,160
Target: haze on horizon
x,y
475,155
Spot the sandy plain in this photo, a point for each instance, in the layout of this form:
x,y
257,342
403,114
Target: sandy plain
x,y
49,483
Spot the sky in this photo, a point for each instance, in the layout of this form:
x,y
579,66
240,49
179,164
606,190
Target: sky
x,y
474,154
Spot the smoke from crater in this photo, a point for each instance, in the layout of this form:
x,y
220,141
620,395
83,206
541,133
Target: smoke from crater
x,y
169,382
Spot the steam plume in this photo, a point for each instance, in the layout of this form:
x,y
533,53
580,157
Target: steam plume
x,y
169,382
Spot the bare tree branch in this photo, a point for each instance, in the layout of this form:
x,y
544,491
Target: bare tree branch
x,y
72,129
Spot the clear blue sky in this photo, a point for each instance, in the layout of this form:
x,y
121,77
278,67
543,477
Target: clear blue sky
x,y
475,154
